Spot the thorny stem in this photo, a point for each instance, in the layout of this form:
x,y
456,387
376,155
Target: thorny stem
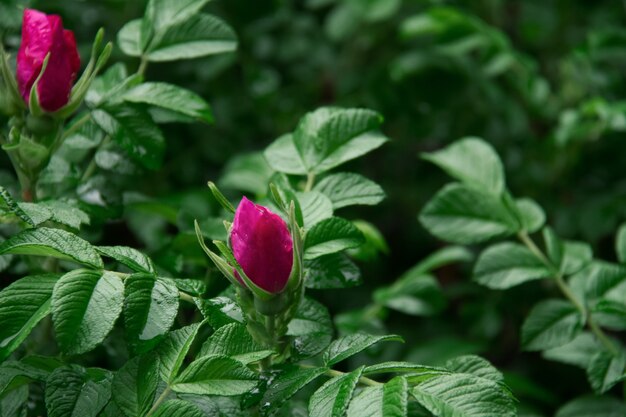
x,y
567,292
334,373
159,400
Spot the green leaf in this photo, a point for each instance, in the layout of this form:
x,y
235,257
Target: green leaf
x,y
286,384
388,400
459,161
161,14
171,97
178,408
347,189
22,305
578,352
129,38
569,256
409,367
234,340
85,305
465,215
352,344
329,136
37,213
605,370
475,365
172,351
531,214
505,265
56,243
135,384
72,391
315,207
200,35
441,257
133,129
464,395
332,398
66,213
150,308
593,406
220,311
312,329
132,258
13,206
414,293
283,156
14,402
331,272
620,244
30,368
330,236
215,375
604,280
551,323
110,87
610,314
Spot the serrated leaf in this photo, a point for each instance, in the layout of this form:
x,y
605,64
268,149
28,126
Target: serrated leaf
x,y
286,384
347,189
531,214
388,400
22,305
215,375
13,206
178,408
330,236
331,271
72,391
129,257
171,97
352,344
198,36
569,256
464,215
329,136
133,129
315,207
129,38
551,323
150,308
233,340
459,161
475,365
578,352
13,403
283,156
220,311
605,370
65,213
464,396
160,14
311,327
56,243
247,172
37,213
610,314
603,279
409,367
172,350
135,384
332,398
505,265
593,406
85,305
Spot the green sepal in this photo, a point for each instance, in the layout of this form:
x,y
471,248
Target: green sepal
x,y
220,263
220,197
9,80
256,290
227,225
296,277
33,100
276,197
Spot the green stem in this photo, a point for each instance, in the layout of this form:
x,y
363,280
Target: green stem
x,y
77,125
310,181
143,65
334,373
159,400
568,293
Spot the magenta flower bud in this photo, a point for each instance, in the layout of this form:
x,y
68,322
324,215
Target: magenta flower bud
x,y
42,35
262,245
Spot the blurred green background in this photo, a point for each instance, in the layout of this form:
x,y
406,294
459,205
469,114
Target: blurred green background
x,y
543,81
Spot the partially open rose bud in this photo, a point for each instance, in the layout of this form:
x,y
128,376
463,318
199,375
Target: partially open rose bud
x,y
262,245
42,35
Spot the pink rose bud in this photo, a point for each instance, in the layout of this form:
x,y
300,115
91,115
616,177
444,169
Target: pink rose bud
x,y
262,245
42,35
